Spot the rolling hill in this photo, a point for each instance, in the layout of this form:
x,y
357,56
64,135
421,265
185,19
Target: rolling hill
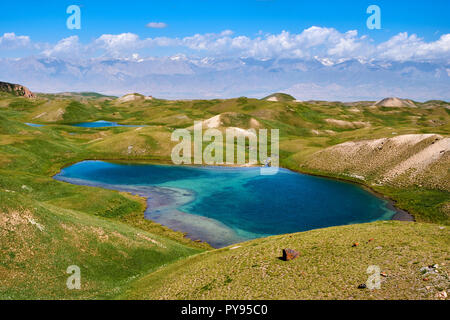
x,y
328,267
279,97
395,103
47,224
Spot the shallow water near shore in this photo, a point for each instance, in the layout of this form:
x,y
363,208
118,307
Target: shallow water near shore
x,y
226,205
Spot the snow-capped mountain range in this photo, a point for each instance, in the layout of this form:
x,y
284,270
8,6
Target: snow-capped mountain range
x,y
182,77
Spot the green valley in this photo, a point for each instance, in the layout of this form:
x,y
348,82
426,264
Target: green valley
x,y
397,148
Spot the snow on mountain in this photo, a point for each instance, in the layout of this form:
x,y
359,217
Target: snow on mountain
x,y
180,76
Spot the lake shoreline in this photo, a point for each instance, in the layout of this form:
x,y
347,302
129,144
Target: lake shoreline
x,y
162,205
401,214
152,193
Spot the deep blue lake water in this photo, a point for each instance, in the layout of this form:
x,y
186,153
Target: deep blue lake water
x,y
95,124
34,125
223,205
102,124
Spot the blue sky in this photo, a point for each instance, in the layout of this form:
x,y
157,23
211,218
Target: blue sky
x,y
44,21
313,49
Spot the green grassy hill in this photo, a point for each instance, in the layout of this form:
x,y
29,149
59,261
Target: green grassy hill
x,y
46,225
281,97
40,241
76,95
329,266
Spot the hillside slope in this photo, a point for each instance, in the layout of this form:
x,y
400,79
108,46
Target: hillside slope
x,y
414,159
48,225
395,103
329,267
413,169
279,97
40,241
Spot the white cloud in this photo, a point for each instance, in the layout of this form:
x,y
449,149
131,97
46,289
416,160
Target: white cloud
x,y
403,47
117,44
156,25
12,41
320,43
350,45
67,47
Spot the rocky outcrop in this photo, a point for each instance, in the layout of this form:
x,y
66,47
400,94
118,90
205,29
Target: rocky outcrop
x,y
16,89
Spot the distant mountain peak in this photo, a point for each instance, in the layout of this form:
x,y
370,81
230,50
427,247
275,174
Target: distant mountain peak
x,y
16,89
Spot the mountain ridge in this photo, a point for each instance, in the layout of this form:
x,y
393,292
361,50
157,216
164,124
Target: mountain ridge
x,y
192,78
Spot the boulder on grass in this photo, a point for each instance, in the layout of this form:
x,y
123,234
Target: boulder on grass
x,y
290,254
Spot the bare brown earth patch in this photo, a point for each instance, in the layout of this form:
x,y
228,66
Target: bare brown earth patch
x,y
402,160
347,124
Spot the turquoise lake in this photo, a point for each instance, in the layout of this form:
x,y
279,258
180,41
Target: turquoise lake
x,y
224,205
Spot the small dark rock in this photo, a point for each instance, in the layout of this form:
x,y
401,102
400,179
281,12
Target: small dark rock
x,y
362,286
290,254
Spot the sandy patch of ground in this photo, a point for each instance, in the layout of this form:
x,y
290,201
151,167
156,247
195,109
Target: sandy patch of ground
x,y
40,115
420,159
218,121
241,132
159,244
55,115
213,122
254,123
101,235
12,220
395,103
132,97
347,124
